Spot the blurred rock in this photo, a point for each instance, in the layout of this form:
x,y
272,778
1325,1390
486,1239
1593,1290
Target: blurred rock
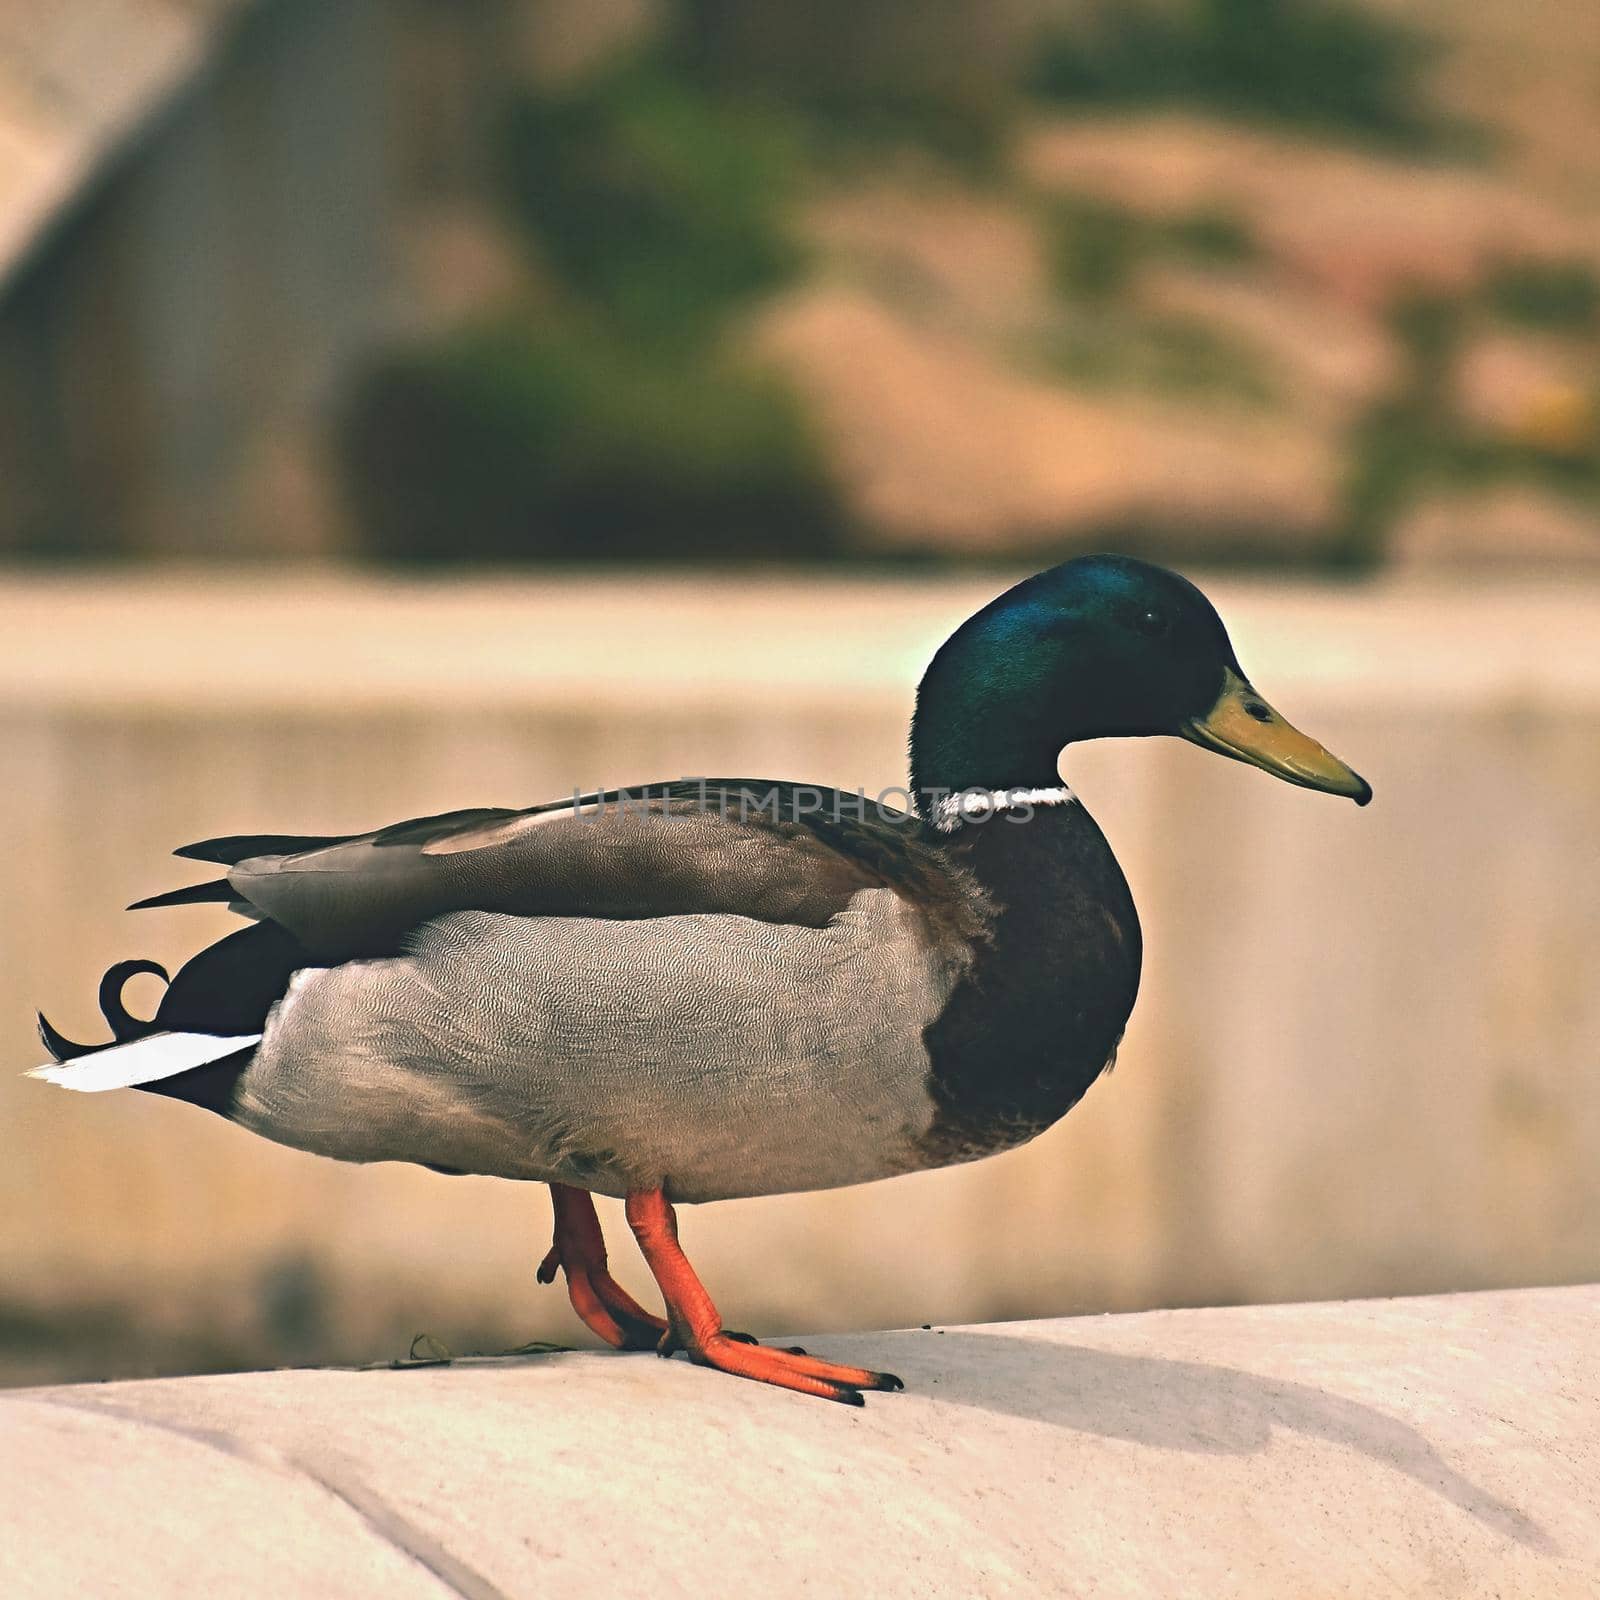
x,y
969,258
1360,227
1334,357
286,501
559,40
940,446
1526,68
1535,391
459,261
1510,526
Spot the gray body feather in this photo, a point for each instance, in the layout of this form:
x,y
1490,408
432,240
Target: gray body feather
x,y
718,1054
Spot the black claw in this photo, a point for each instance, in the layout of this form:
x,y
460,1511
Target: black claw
x,y
851,1397
794,1350
887,1380
739,1338
546,1272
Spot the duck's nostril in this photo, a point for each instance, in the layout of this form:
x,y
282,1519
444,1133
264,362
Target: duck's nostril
x,y
1260,712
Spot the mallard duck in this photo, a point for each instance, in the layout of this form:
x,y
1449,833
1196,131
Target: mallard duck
x,y
710,989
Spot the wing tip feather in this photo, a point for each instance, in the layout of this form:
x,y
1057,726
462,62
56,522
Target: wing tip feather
x,y
229,849
219,890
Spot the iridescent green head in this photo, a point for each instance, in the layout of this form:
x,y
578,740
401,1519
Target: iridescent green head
x,y
1100,647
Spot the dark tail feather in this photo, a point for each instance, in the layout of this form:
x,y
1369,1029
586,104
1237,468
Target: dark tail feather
x,y
196,894
233,848
61,1048
230,986
124,1026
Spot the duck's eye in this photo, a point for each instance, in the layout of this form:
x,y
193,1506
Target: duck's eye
x,y
1151,623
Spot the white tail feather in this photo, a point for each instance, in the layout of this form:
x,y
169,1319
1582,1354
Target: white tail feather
x,y
160,1055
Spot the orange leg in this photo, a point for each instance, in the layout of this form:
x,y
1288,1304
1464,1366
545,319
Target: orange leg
x,y
579,1249
695,1327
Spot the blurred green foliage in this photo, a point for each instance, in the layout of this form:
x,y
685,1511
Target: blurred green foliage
x,y
1563,296
576,443
1183,357
657,199
615,422
663,205
1096,248
1417,437
1102,339
1213,236
863,77
1326,64
660,198
1407,436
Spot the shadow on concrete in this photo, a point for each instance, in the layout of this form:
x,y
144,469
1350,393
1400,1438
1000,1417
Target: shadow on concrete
x,y
1190,1405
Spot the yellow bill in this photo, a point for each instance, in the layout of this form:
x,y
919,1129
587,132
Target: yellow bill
x,y
1242,725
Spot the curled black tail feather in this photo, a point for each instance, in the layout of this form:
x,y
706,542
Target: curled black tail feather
x,y
229,988
123,1025
62,1048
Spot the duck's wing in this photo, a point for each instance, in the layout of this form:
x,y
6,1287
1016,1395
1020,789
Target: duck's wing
x,y
774,852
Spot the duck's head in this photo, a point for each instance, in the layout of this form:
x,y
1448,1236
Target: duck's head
x,y
1100,647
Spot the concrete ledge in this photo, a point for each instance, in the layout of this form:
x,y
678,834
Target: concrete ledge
x,y
1445,1446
